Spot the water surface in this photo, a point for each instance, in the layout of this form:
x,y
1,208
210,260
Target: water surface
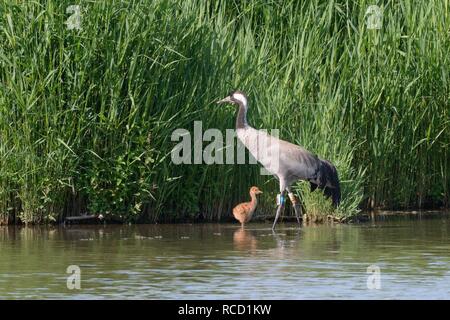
x,y
222,261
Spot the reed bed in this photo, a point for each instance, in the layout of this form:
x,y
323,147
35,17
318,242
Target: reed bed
x,y
86,116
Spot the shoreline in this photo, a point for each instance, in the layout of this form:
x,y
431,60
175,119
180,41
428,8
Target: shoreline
x,y
363,217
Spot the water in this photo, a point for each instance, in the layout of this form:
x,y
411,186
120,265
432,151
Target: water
x,y
221,261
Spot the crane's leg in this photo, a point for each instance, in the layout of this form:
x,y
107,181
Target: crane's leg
x,y
281,199
296,204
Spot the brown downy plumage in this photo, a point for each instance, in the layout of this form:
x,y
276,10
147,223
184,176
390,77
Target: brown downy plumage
x,y
243,212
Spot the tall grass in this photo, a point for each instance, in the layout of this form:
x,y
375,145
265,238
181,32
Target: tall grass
x,y
86,115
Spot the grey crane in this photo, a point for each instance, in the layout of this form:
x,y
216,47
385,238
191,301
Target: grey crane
x,y
286,161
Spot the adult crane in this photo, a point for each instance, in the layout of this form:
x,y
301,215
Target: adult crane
x,y
286,161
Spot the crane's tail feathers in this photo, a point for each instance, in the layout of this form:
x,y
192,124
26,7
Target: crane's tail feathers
x,y
336,196
328,180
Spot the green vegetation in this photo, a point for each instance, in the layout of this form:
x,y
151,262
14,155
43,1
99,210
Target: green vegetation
x,y
86,116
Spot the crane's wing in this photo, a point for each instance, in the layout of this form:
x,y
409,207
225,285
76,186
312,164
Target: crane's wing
x,y
291,162
283,159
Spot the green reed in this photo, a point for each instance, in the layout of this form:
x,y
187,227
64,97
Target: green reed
x,y
86,116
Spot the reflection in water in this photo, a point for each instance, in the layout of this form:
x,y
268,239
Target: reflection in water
x,y
244,240
224,260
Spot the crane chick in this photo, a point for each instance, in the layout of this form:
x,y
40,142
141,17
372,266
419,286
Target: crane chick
x,y
243,212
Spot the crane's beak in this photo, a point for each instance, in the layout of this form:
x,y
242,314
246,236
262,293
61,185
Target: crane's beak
x,y
225,100
259,191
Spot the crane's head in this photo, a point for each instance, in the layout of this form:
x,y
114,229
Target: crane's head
x,y
236,97
255,190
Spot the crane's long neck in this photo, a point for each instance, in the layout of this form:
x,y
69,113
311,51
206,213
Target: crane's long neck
x,y
241,120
